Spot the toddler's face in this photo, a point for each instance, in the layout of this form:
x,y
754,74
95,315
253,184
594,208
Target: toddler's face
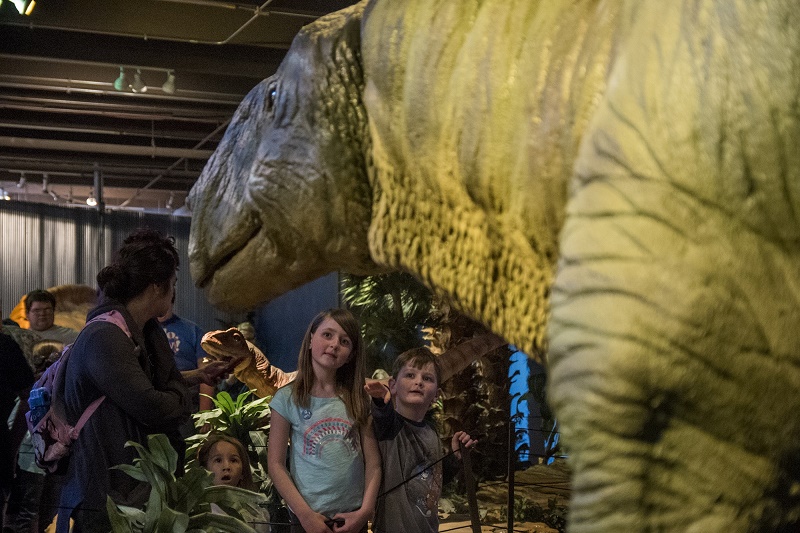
x,y
225,463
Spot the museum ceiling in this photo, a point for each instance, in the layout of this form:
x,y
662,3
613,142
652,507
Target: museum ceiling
x,y
64,122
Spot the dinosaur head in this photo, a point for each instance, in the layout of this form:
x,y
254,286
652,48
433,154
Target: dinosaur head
x,y
285,198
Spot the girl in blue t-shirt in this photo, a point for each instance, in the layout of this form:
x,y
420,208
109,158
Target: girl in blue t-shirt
x,y
334,460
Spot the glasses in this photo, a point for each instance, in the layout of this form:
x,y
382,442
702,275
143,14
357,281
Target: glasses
x,y
42,311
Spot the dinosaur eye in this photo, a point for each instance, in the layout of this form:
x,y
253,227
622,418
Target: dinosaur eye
x,y
272,95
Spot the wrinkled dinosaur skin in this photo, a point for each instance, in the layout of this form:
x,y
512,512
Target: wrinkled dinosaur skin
x,y
614,182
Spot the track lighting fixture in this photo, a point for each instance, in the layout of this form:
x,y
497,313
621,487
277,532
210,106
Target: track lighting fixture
x,y
22,181
121,83
91,201
25,7
169,85
170,200
138,85
4,195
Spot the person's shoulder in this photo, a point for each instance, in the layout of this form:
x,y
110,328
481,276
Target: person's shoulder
x,y
59,333
185,321
282,402
7,342
101,329
284,392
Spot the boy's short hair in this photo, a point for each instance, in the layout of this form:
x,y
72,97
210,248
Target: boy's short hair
x,y
38,295
417,358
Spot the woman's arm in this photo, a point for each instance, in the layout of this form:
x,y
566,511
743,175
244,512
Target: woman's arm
x,y
279,430
356,520
110,359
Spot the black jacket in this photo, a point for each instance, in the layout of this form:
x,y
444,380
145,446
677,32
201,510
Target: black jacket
x,y
145,394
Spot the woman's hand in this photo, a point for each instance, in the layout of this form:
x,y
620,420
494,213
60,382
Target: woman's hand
x,y
209,374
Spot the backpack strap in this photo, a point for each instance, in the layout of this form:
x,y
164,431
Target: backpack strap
x,y
114,317
85,416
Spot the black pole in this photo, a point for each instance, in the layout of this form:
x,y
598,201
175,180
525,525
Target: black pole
x,y
472,497
511,470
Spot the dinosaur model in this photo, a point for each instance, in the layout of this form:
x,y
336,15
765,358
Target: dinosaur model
x,y
616,183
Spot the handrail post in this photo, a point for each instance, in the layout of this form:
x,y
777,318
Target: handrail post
x,y
511,469
472,497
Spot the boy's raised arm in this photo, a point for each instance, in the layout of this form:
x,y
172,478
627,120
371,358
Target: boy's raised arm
x,y
378,389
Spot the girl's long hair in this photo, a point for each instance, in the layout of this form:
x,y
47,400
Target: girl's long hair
x,y
349,378
205,451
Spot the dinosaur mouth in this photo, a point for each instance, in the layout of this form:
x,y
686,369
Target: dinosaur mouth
x,y
233,248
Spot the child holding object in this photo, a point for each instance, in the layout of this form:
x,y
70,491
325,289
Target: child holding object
x,y
409,446
334,474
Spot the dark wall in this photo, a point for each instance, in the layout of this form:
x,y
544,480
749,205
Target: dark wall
x,y
281,324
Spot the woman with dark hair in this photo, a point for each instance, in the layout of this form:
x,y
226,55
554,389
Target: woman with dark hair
x,y
144,392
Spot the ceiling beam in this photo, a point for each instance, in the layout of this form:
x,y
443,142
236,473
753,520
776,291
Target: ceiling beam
x,y
103,148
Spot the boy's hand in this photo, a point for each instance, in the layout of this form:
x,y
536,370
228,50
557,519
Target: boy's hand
x,y
378,389
461,437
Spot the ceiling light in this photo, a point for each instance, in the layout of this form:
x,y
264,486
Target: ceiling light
x,y
24,6
22,180
4,195
91,201
120,83
169,85
138,85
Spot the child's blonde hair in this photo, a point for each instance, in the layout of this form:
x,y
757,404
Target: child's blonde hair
x,y
205,451
349,378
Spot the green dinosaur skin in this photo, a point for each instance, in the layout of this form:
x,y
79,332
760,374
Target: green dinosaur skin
x,y
616,182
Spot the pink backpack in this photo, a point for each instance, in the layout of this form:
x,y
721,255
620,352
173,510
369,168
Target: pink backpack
x,y
51,435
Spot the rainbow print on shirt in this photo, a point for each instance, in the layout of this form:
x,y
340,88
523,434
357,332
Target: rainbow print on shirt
x,y
327,431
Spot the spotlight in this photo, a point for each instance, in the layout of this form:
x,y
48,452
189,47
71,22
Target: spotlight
x,y
91,201
25,7
4,195
22,180
138,85
169,85
120,83
170,200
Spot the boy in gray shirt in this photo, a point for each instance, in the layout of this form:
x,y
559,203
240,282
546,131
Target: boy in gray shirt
x,y
409,445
